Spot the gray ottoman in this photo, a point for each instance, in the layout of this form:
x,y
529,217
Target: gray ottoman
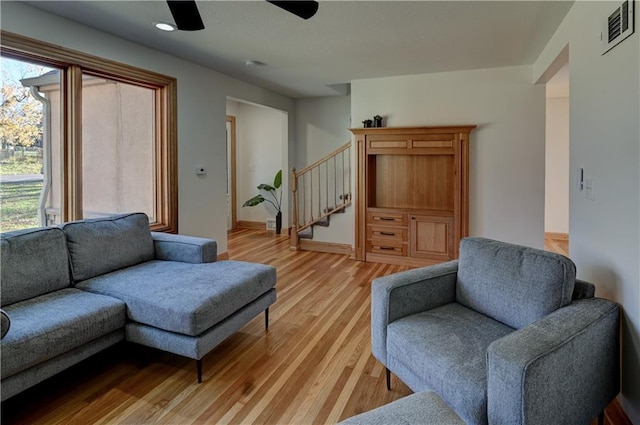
x,y
417,409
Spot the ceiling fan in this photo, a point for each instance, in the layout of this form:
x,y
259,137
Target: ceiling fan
x,y
187,17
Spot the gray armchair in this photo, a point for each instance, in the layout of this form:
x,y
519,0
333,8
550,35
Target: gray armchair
x,y
505,335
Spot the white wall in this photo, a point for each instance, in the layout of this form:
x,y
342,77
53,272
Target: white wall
x,y
605,141
202,95
507,148
322,126
261,141
556,200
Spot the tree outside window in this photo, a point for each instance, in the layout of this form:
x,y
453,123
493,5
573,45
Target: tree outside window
x,y
21,137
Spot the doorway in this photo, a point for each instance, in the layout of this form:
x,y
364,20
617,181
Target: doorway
x,y
261,150
557,174
232,218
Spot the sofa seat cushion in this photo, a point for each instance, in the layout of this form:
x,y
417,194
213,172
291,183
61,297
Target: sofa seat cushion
x,y
184,298
47,326
447,346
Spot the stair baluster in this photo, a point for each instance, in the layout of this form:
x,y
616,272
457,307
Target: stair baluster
x,y
303,181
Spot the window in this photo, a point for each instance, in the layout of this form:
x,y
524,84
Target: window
x,y
118,132
111,132
25,185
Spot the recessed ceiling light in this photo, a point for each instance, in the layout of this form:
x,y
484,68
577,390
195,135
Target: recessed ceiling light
x,y
163,26
251,63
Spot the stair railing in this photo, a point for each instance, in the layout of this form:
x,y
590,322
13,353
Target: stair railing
x,y
320,189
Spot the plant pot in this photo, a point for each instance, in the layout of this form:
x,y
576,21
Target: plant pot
x,y
278,223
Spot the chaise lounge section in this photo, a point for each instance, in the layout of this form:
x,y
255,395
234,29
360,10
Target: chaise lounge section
x,y
73,291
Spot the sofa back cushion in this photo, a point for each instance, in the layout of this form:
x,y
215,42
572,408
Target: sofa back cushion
x,y
513,284
33,262
102,245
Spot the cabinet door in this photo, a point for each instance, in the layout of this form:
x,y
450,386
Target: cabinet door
x,y
431,237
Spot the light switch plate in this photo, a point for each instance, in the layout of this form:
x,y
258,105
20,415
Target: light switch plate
x,y
589,189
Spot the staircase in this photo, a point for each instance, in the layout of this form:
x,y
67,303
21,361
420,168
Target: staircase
x,y
319,191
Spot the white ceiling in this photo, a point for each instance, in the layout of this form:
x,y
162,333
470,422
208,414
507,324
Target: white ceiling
x,y
344,41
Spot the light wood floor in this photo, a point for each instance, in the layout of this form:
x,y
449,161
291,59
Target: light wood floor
x,y
314,366
560,246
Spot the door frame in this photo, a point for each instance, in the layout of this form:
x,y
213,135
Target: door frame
x,y
232,170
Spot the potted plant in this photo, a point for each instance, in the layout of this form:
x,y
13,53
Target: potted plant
x,y
273,191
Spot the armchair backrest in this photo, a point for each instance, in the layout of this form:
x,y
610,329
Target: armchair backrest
x,y
513,284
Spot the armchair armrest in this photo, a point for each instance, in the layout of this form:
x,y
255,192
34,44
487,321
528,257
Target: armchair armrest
x,y
402,294
564,368
187,249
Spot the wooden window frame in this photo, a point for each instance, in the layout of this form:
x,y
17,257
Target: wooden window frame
x,y
73,64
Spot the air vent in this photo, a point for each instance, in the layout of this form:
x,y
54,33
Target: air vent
x,y
618,26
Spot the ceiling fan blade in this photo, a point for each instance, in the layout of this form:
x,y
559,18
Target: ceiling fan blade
x,y
304,8
185,14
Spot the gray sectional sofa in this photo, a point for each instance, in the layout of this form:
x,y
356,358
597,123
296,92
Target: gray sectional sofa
x,y
69,292
505,335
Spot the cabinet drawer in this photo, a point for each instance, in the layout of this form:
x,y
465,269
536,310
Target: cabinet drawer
x,y
386,142
432,141
387,248
382,233
410,144
387,218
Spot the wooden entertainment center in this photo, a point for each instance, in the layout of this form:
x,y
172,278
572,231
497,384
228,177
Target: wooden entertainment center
x,y
412,203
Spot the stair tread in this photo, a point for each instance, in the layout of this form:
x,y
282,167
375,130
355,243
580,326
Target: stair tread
x,y
324,222
306,233
340,210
